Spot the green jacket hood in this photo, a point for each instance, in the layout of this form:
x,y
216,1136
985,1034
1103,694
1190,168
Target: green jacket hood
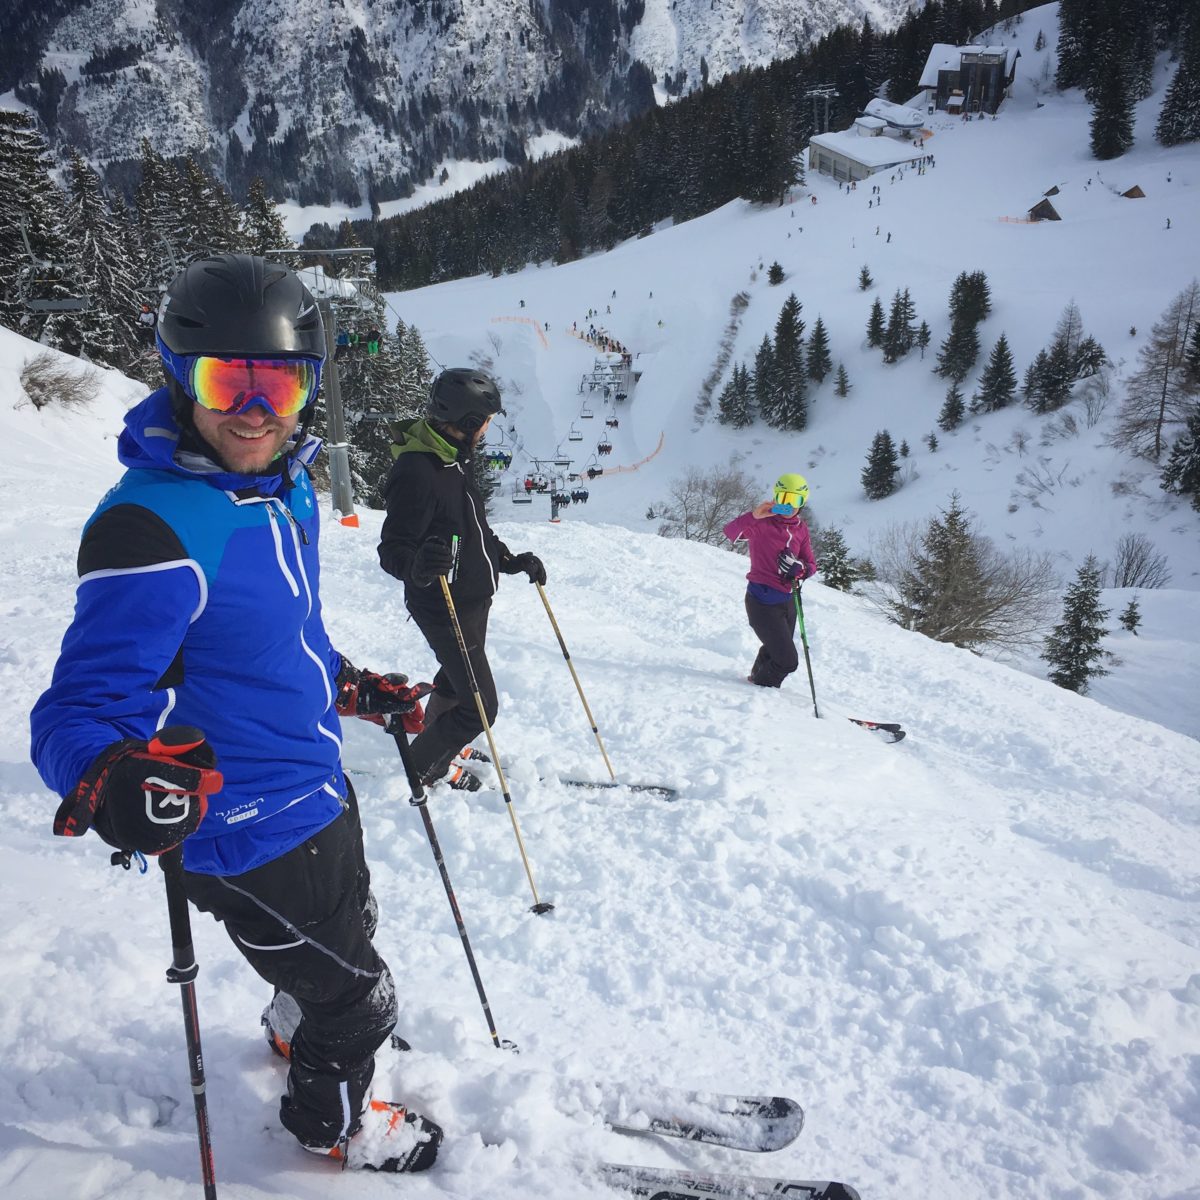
x,y
418,436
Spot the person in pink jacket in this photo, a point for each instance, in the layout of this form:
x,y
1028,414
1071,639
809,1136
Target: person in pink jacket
x,y
780,555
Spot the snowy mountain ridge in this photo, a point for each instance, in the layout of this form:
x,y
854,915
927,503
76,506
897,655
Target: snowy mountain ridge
x,y
364,98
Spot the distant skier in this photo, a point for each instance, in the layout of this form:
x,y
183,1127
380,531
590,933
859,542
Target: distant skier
x,y
780,553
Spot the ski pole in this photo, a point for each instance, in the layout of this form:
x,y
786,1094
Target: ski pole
x,y
578,686
183,971
539,906
395,727
812,687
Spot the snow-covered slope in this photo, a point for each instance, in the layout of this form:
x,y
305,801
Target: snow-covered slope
x,y
973,956
1051,483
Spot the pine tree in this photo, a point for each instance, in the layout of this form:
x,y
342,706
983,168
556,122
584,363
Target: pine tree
x,y
734,404
899,336
998,385
953,410
262,226
837,569
1075,23
880,474
875,324
1179,118
1181,474
762,385
923,338
1131,616
932,442
819,361
942,591
774,274
1112,112
107,331
958,352
1073,648
29,199
864,279
904,450
789,402
842,386
970,298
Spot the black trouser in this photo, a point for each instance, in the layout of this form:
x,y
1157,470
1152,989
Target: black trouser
x,y
451,715
304,922
775,626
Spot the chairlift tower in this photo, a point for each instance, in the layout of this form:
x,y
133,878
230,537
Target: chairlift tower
x,y
826,93
338,447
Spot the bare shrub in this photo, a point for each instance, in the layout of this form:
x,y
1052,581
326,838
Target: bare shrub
x,y
946,580
1096,393
496,341
482,360
702,503
52,379
1138,564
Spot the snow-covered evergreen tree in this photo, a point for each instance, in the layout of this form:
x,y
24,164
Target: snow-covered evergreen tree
x,y
998,384
262,226
842,385
103,263
880,474
875,324
953,410
1073,648
1179,117
789,403
819,361
1181,474
1131,616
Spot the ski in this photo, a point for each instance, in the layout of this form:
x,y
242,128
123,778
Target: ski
x,y
896,734
655,1183
653,789
755,1123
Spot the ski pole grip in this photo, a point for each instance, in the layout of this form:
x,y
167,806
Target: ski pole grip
x,y
175,740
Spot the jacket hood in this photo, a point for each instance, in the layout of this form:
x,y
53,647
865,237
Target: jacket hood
x,y
151,440
418,436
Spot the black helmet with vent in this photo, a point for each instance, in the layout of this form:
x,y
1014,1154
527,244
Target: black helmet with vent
x,y
464,397
240,306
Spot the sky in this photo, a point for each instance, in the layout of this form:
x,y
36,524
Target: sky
x,y
973,957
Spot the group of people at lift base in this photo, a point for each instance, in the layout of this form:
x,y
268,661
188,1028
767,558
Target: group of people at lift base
x,y
217,745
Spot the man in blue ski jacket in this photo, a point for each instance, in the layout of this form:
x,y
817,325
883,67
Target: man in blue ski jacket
x,y
198,605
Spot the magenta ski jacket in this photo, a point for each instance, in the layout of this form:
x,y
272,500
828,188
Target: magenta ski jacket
x,y
766,538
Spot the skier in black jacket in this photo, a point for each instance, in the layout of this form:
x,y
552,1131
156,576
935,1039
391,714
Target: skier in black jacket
x,y
431,498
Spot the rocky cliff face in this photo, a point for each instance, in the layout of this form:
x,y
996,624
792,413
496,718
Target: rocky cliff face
x,y
360,99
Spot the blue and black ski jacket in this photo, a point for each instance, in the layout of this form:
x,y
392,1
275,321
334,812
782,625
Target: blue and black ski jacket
x,y
198,605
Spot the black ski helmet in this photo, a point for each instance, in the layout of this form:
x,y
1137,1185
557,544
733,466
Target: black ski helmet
x,y
464,397
240,306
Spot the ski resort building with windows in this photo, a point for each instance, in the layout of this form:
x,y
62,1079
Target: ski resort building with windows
x,y
968,79
886,136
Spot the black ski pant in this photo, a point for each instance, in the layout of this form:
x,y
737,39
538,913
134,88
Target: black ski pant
x,y
451,715
304,922
775,627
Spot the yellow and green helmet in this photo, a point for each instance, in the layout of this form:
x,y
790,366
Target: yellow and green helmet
x,y
791,494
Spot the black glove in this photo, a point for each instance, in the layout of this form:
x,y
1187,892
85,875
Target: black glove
x,y
433,558
144,796
791,567
373,697
528,562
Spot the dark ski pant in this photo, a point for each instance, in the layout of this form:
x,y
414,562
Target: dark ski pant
x,y
775,627
451,715
304,922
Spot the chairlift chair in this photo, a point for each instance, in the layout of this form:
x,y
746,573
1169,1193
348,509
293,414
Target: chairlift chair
x,y
573,434
521,496
586,413
605,447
